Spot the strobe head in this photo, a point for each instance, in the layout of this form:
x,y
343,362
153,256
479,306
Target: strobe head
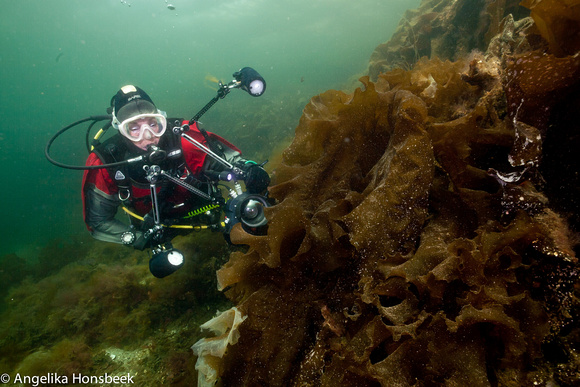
x,y
247,209
250,81
166,260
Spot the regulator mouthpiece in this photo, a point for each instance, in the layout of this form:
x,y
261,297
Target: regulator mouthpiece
x,y
250,81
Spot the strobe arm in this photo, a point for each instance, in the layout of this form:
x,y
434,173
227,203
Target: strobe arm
x,y
255,177
223,90
246,79
181,130
188,187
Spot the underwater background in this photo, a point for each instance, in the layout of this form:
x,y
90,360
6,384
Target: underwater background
x,y
426,187
63,60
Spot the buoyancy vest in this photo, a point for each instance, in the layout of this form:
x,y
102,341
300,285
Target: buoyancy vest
x,y
182,158
127,176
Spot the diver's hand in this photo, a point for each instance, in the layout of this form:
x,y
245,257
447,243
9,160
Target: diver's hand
x,y
148,222
141,243
256,178
136,239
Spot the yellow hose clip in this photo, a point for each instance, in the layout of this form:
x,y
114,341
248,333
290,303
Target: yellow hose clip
x,y
97,136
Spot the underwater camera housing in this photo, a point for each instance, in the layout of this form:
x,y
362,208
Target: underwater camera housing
x,y
247,209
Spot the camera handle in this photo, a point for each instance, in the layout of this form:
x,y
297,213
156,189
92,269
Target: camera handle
x,y
153,174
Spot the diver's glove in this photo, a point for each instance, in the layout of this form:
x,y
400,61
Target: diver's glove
x,y
141,243
142,238
255,177
149,233
148,221
136,239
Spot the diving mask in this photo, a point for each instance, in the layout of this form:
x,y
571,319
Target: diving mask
x,y
143,126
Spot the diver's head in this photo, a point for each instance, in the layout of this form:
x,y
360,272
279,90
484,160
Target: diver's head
x,y
136,117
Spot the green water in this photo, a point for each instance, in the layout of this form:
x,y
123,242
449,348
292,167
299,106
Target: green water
x,y
62,60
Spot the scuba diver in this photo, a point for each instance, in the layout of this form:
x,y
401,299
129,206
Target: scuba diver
x,y
165,174
142,129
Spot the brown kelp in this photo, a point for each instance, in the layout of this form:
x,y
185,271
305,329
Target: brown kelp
x,y
418,237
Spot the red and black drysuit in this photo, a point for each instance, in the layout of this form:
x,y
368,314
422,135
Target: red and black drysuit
x,y
105,189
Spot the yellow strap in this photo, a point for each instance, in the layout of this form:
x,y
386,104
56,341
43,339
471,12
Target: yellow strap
x,y
200,227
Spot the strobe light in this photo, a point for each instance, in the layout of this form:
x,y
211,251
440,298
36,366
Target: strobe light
x,y
251,81
165,261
